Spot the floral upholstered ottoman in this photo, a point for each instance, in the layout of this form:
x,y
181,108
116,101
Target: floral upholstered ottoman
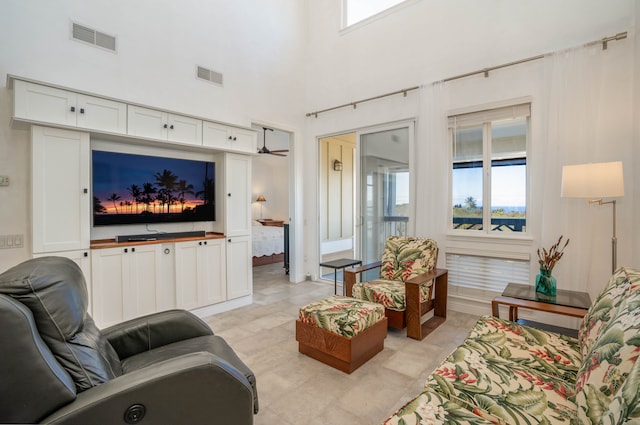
x,y
342,332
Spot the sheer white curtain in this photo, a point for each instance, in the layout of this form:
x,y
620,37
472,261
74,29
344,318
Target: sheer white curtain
x,y
432,167
586,114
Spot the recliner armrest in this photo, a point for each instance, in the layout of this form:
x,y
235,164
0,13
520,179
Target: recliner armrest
x,y
190,389
154,330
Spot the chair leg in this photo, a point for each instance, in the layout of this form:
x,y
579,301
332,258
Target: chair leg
x,y
416,329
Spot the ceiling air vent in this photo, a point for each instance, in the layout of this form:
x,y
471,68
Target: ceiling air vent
x,y
209,75
93,37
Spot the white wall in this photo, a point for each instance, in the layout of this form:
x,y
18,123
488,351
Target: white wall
x,y
260,48
270,177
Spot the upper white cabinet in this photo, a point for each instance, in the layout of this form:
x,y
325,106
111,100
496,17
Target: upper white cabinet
x,y
223,137
61,203
160,125
39,103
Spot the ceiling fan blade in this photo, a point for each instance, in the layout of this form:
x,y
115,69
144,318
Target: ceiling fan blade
x,y
280,150
277,154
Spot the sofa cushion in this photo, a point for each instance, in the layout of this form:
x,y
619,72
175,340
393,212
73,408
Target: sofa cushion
x,y
389,293
605,306
608,383
430,407
546,352
344,316
501,390
404,257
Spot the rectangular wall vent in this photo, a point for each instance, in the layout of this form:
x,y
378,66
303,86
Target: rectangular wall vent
x,y
209,75
93,37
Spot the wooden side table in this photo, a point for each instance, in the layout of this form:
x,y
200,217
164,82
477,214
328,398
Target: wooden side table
x,y
566,303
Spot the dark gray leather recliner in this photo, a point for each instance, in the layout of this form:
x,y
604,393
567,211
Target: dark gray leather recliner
x,y
57,367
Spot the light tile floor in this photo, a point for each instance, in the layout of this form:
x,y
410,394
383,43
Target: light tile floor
x,y
295,389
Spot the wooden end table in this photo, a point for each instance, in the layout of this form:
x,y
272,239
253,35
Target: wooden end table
x,y
566,303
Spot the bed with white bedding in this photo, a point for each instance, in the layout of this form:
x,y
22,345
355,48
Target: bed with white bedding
x,y
267,244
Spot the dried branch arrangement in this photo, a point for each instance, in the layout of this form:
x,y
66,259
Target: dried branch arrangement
x,y
548,259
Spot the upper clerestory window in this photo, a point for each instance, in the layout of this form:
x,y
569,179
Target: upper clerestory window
x,y
354,11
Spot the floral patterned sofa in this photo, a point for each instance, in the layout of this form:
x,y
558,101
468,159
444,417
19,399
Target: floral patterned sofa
x,y
506,373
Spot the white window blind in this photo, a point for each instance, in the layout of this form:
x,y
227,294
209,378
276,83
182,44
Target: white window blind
x,y
486,273
489,115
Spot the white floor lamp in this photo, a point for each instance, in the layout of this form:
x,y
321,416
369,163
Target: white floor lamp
x,y
596,181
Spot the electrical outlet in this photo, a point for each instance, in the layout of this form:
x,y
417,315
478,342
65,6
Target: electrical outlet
x,y
4,180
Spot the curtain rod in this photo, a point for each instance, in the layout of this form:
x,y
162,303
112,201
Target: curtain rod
x,y
605,41
485,71
354,104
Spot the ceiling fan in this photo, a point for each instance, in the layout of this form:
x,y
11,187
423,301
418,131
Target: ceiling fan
x,y
264,148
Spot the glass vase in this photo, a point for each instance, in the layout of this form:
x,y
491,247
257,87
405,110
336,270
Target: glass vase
x,y
545,283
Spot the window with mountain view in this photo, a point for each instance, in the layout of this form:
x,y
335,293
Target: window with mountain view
x,y
489,170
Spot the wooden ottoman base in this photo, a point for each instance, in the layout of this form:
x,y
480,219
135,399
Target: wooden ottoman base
x,y
345,354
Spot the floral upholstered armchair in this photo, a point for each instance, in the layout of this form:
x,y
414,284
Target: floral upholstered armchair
x,y
405,286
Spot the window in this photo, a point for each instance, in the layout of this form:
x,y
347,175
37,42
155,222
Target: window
x,y
355,11
489,169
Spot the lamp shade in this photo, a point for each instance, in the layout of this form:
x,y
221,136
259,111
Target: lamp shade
x,y
261,199
595,180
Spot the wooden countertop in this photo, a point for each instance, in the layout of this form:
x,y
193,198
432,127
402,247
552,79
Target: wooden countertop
x,y
111,243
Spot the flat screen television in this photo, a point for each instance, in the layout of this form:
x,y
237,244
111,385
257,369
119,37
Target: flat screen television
x,y
138,189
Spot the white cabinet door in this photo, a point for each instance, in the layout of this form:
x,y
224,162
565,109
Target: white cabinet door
x,y
143,277
184,130
124,282
220,136
61,203
244,140
35,102
154,124
238,195
108,275
215,135
145,122
212,282
239,277
187,275
100,114
200,273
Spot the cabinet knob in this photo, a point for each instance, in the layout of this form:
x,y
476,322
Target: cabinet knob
x,y
133,250
85,190
234,138
165,126
82,110
85,254
229,195
230,138
167,251
171,126
200,243
228,240
205,242
126,250
73,109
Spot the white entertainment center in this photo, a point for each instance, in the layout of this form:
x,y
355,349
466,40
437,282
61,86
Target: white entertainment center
x,y
205,274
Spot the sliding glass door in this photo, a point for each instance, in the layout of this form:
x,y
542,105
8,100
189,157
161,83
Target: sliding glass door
x,y
384,203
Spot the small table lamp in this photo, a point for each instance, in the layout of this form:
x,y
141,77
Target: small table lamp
x,y
596,181
261,199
